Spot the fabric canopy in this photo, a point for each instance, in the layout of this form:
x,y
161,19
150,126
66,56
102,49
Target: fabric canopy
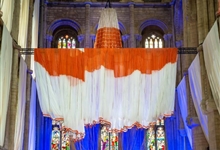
x,y
123,87
6,53
196,92
211,49
182,99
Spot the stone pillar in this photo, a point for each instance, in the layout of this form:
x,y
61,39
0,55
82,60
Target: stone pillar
x,y
87,17
125,40
132,38
49,39
13,100
202,19
138,38
15,21
211,13
80,39
209,107
167,40
93,36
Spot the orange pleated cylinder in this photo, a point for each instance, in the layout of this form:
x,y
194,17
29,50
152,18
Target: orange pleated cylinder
x,y
108,37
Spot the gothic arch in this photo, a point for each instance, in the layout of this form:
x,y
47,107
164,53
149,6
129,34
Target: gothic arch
x,y
63,22
153,22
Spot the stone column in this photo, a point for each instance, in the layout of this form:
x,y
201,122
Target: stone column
x,y
132,38
209,107
93,36
13,100
80,39
167,40
49,39
125,40
138,38
87,17
15,21
202,19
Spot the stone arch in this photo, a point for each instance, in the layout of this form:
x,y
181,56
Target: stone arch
x,y
153,22
64,22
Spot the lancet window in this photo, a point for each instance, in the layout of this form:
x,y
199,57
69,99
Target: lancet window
x,y
156,136
66,42
109,139
153,41
60,137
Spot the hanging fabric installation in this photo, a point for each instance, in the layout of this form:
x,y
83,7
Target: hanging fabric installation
x,y
196,92
32,117
123,87
6,54
108,34
20,114
211,49
182,100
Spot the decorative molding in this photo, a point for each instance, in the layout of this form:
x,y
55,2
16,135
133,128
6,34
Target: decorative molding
x,y
154,22
61,22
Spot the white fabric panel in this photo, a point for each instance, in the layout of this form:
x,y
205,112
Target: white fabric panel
x,y
20,113
211,49
122,101
5,79
23,23
196,92
182,99
35,24
7,8
32,117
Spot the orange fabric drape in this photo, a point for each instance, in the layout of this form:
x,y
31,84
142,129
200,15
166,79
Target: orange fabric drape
x,y
123,62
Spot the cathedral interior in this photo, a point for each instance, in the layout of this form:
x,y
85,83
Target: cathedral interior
x,y
189,26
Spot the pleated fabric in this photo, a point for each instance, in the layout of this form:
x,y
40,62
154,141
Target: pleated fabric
x,y
121,87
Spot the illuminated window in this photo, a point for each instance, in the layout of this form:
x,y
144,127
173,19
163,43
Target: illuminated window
x,y
153,42
109,140
66,42
156,136
60,136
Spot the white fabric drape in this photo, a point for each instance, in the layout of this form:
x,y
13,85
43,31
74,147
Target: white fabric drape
x,y
7,8
23,23
32,117
196,92
211,47
35,24
122,101
5,79
182,99
20,113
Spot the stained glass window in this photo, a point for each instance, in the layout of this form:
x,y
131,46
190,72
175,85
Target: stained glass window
x,y
60,136
66,42
156,136
109,140
153,42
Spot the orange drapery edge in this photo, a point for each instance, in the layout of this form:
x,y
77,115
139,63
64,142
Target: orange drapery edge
x,y
123,61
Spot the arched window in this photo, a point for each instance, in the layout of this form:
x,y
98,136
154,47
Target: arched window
x,y
66,42
65,37
109,140
152,37
60,137
156,136
153,42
